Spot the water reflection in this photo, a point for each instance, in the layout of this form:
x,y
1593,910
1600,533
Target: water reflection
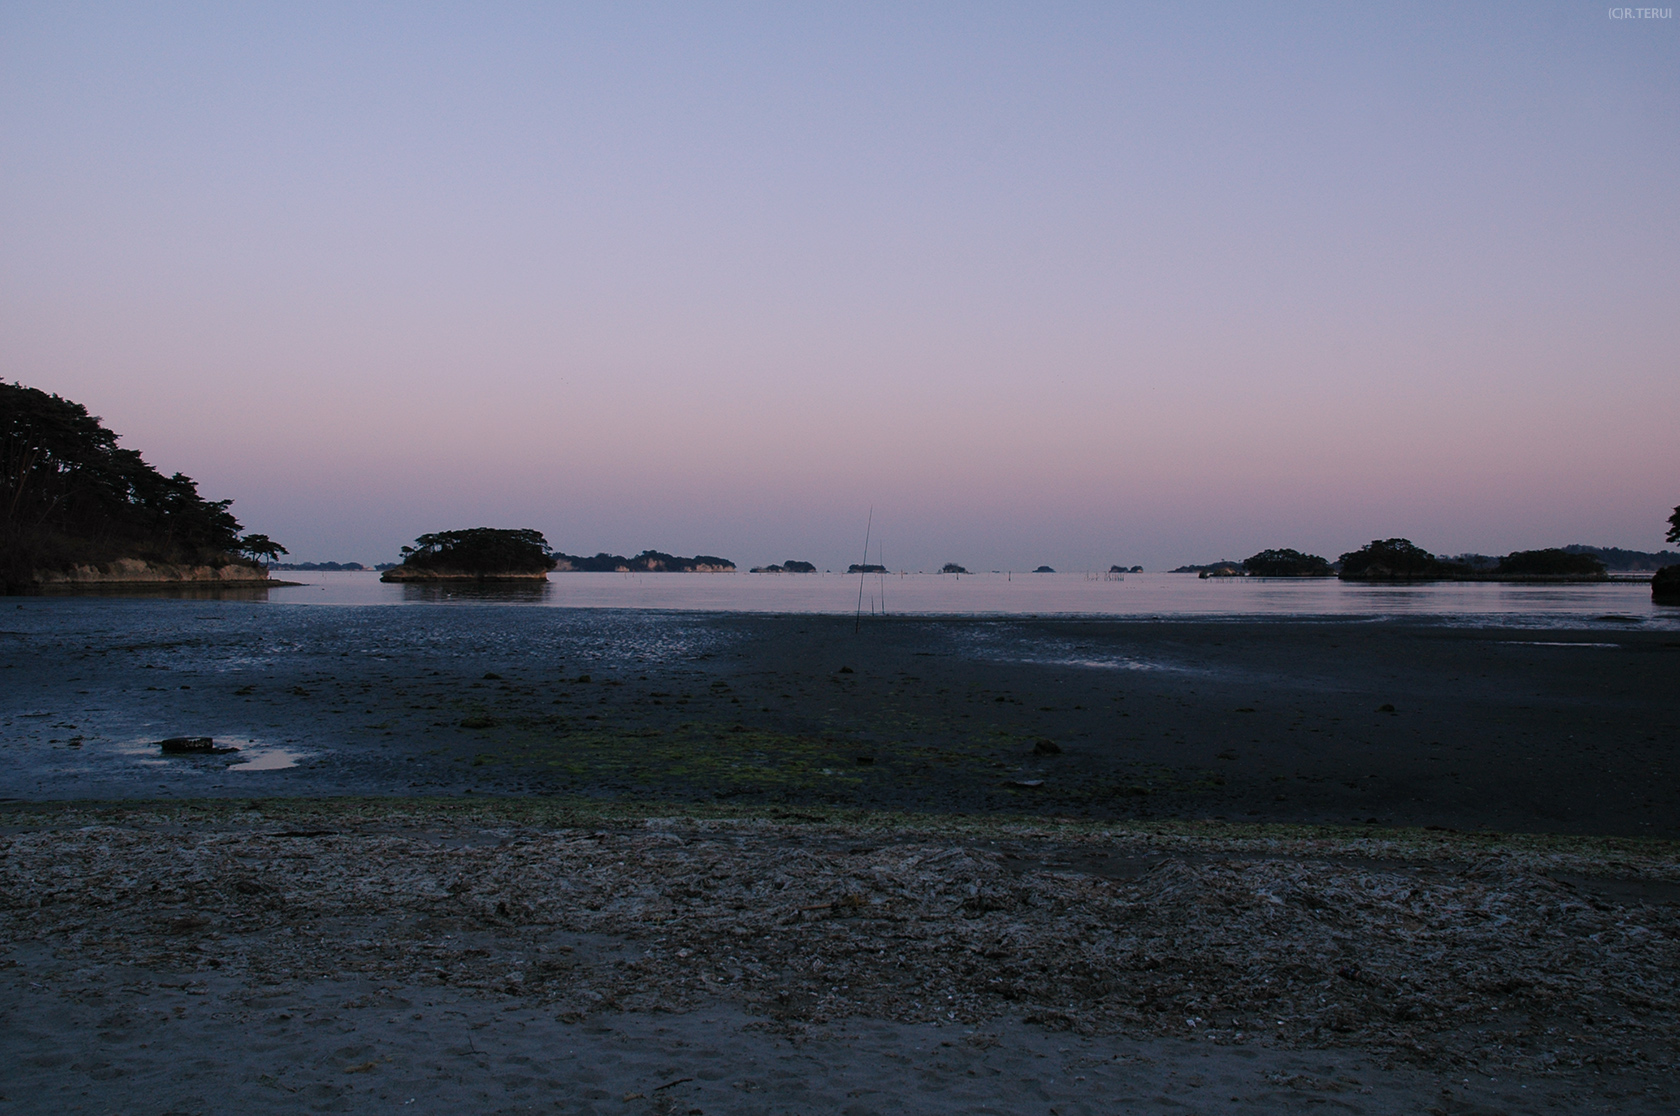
x,y
267,759
510,592
166,590
1139,595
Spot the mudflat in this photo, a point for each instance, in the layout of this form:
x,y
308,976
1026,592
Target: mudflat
x,y
1398,723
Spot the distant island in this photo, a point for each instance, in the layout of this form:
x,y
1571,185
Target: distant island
x,y
1228,567
1617,560
1400,559
1125,569
648,561
1403,560
1044,569
475,554
867,568
76,510
319,566
952,568
490,554
1284,562
789,566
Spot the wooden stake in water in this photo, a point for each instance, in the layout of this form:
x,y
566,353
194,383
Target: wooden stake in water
x,y
857,623
881,560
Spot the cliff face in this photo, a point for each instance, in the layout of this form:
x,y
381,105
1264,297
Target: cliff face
x,y
137,571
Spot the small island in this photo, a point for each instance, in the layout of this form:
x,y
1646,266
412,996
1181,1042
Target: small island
x,y
79,512
1402,560
475,554
321,567
951,568
789,566
868,568
648,561
1284,562
1228,567
490,554
1044,569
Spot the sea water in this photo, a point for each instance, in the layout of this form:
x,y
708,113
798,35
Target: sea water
x,y
1140,595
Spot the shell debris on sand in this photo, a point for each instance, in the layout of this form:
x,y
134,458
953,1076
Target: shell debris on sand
x,y
1443,950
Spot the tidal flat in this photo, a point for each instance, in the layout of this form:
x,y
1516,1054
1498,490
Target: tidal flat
x,y
496,857
1341,720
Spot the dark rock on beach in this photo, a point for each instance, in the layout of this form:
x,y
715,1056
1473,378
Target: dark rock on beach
x,y
1665,585
192,746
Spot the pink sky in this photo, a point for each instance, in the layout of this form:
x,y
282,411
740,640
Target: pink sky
x,y
1071,285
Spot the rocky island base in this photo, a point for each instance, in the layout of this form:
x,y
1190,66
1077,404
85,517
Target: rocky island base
x,y
139,572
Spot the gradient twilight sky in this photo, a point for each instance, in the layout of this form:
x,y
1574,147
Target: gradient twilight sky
x,y
1063,283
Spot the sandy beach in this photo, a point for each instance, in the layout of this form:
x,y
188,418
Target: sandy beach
x,y
347,956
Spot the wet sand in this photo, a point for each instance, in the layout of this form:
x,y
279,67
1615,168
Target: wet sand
x,y
355,1046
1368,721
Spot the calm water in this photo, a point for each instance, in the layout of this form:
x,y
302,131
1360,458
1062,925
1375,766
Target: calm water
x,y
1146,594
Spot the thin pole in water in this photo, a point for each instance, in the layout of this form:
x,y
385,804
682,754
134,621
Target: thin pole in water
x,y
857,624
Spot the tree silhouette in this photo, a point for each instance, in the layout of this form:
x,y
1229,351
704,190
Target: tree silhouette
x,y
481,550
1392,559
1285,562
70,495
262,548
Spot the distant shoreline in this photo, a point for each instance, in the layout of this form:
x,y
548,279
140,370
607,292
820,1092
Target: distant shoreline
x,y
1545,579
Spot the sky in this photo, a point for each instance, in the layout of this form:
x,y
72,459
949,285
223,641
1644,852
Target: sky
x,y
1074,284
